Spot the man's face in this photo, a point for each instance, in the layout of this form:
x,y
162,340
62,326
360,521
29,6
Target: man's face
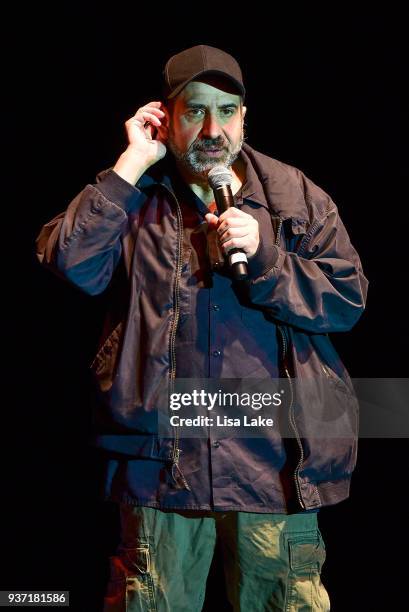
x,y
206,125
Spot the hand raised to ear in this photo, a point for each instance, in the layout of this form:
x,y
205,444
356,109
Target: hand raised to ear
x,y
147,133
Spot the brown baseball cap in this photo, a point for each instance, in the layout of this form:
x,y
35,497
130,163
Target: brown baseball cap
x,y
191,63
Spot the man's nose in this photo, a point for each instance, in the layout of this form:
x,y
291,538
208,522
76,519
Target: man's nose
x,y
211,127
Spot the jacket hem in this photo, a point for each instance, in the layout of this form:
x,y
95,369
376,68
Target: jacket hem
x,y
333,491
133,501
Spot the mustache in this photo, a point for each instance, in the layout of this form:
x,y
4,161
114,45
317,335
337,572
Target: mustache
x,y
208,144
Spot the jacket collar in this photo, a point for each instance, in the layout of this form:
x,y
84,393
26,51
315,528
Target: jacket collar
x,y
282,191
268,182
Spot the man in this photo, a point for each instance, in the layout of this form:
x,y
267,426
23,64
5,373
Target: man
x,y
149,234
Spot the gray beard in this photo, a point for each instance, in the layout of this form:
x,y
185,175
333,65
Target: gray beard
x,y
197,162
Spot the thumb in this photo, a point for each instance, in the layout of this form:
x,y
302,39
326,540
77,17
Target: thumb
x,y
212,219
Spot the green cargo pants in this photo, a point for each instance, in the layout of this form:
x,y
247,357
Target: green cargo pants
x,y
271,561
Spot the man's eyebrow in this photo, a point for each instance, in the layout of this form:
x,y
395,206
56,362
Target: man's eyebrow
x,y
199,105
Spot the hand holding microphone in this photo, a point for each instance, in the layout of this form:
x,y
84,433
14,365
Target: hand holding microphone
x,y
238,232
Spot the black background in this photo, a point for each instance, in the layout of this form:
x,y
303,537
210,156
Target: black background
x,y
325,94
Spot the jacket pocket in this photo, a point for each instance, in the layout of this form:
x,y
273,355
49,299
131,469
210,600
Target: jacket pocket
x,y
326,415
335,380
352,412
104,363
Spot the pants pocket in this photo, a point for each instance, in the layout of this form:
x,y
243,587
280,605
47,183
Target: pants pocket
x,y
305,591
130,587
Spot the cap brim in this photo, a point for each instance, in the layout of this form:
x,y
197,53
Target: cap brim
x,y
237,84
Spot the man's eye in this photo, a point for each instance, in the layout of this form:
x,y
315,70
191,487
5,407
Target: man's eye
x,y
195,112
228,112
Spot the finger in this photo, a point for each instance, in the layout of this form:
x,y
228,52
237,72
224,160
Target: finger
x,y
233,211
211,219
166,112
150,130
151,109
230,223
143,117
156,104
235,243
233,233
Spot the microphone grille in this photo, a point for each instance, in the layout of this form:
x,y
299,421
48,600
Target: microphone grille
x,y
218,176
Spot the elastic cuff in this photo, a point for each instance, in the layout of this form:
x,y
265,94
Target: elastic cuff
x,y
263,259
118,191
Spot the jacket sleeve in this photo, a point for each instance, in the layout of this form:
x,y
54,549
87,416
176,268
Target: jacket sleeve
x,y
83,244
320,288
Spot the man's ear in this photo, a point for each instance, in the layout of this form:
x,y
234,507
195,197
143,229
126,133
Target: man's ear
x,y
162,131
244,110
167,109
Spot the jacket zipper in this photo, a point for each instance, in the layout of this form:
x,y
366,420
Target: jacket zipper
x,y
175,453
292,418
325,370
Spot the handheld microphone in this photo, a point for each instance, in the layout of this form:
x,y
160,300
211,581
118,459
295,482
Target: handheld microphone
x,y
220,179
